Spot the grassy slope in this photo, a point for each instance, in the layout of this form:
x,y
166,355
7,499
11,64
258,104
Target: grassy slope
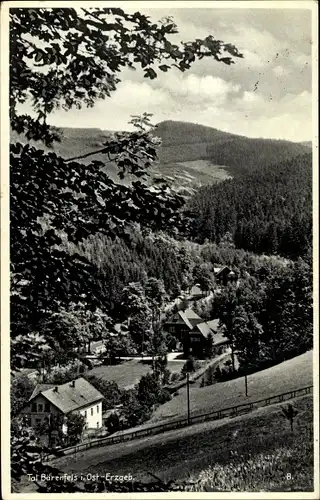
x,y
286,376
177,454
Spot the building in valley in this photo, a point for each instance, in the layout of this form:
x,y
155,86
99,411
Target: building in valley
x,y
50,402
192,333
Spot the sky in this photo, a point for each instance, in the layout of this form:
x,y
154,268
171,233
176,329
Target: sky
x,y
265,94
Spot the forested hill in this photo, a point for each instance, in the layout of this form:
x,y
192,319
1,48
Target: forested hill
x,y
189,141
266,210
190,153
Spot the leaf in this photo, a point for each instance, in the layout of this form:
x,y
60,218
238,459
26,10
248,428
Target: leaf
x,y
150,73
164,67
38,56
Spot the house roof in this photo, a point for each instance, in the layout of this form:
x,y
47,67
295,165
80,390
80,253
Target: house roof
x,y
203,328
196,290
190,318
213,324
40,388
220,339
223,270
69,398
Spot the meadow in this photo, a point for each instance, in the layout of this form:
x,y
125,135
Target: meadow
x,y
128,373
284,377
254,452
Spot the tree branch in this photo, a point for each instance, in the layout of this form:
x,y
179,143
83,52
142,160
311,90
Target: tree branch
x,y
103,150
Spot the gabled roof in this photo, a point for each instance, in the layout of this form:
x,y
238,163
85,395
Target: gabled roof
x,y
203,328
223,270
213,324
40,388
190,318
220,339
69,398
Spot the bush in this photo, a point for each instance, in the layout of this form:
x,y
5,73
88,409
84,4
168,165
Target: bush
x,y
166,376
189,366
110,390
175,377
218,373
20,392
164,396
113,423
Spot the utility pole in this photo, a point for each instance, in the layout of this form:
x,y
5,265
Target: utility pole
x,y
188,398
246,384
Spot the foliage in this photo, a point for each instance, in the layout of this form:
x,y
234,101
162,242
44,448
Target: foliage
x,y
21,389
112,394
268,318
290,413
134,411
75,426
265,210
113,423
65,373
149,390
67,58
189,366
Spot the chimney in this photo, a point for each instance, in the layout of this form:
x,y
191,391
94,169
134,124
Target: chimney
x,y
73,383
56,389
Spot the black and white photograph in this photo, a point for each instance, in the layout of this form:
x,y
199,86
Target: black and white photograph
x,y
159,248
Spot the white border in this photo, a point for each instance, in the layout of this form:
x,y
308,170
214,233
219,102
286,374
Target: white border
x,y
5,364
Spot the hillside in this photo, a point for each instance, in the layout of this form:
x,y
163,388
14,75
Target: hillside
x,y
284,377
268,209
191,155
182,453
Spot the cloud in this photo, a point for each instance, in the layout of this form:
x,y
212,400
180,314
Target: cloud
x,y
267,93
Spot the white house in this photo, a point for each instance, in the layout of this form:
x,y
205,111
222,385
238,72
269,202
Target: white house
x,y
49,400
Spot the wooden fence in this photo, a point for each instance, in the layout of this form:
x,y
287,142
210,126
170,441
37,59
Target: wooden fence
x,y
233,411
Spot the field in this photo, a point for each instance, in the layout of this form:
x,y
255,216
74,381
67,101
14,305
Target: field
x,y
284,377
262,441
128,374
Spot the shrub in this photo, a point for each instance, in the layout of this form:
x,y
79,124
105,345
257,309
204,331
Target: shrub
x,y
75,424
189,366
113,423
174,377
218,373
20,392
110,391
166,376
164,396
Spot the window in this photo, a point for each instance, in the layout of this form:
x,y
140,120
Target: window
x,y
38,421
40,407
85,413
91,411
97,408
172,329
97,425
34,407
47,407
